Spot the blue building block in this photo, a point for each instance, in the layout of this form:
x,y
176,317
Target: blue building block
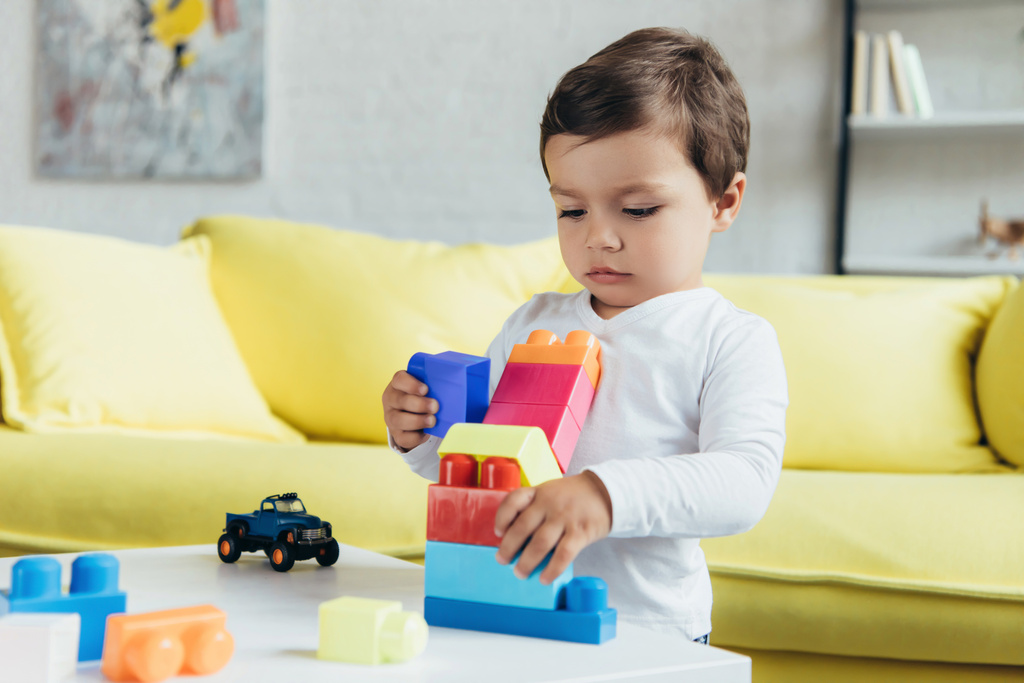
x,y
35,587
459,382
585,619
459,571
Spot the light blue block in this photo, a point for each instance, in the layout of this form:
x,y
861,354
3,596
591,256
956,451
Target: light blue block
x,y
470,573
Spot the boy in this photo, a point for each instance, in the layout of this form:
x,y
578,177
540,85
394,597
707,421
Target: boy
x,y
644,145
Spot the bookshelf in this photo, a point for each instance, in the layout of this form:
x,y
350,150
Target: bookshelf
x,y
909,188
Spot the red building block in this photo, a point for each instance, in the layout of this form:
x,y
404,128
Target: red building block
x,y
460,512
546,384
558,423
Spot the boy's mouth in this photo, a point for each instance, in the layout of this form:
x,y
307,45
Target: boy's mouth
x,y
605,275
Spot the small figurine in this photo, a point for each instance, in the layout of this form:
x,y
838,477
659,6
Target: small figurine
x,y
1005,231
282,529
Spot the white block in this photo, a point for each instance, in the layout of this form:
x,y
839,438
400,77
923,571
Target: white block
x,y
39,648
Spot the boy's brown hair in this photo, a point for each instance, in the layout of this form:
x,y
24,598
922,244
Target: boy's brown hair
x,y
665,78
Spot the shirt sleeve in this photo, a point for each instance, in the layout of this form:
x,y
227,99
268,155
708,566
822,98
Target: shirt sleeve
x,y
726,487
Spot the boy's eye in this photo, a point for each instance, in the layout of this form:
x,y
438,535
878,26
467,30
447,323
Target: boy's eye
x,y
641,213
633,213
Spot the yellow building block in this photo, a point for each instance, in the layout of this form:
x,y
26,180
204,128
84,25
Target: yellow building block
x,y
580,348
527,445
365,631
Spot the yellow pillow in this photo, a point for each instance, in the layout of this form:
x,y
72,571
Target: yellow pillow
x,y
1000,378
880,369
99,334
324,318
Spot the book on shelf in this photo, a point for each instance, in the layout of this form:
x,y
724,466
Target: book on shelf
x,y
899,73
918,84
887,75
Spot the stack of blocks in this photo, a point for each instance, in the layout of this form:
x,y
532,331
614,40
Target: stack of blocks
x,y
526,438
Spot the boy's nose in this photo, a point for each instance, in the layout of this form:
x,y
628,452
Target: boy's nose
x,y
600,235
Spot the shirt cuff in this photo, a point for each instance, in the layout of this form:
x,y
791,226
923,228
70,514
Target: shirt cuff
x,y
423,459
621,522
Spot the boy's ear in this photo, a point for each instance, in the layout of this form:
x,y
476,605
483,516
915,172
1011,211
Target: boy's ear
x,y
728,206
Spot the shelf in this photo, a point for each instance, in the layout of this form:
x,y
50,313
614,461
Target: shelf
x,y
903,5
895,125
933,265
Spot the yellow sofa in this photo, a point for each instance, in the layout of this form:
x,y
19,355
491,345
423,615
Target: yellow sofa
x,y
894,545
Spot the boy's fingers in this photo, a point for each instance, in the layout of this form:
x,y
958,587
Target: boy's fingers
x,y
543,542
415,404
407,384
568,548
409,422
516,523
515,502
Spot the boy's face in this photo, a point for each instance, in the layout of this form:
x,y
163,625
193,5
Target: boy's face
x,y
634,219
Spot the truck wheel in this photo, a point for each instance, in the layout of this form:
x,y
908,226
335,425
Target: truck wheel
x,y
282,557
228,548
328,555
238,529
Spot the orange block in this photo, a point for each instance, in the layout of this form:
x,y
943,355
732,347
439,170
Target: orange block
x,y
580,348
154,646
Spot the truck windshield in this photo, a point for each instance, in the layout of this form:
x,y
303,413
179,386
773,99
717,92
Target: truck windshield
x,y
293,505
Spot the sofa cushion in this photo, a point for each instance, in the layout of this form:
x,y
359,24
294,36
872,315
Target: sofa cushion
x,y
95,492
906,566
324,318
99,334
1000,378
879,369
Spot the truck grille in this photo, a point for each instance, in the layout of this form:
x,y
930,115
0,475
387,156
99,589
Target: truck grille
x,y
312,535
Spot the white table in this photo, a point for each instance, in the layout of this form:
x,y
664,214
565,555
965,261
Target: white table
x,y
273,618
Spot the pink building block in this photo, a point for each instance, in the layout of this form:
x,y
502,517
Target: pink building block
x,y
547,384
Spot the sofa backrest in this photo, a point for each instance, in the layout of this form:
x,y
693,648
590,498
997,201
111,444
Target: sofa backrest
x,y
880,369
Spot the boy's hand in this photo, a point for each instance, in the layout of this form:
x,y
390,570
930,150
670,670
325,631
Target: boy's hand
x,y
570,513
407,411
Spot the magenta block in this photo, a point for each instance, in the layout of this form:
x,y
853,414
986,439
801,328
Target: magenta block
x,y
546,384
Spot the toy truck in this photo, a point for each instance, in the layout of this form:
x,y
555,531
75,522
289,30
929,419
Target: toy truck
x,y
283,530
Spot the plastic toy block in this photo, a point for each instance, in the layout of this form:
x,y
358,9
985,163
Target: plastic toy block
x,y
365,631
154,646
580,348
585,619
459,382
526,445
559,425
546,384
35,587
458,514
38,648
470,572
459,469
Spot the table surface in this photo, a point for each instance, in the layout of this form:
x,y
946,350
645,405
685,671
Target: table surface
x,y
273,618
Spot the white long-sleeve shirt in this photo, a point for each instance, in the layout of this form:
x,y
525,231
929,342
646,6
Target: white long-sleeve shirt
x,y
686,432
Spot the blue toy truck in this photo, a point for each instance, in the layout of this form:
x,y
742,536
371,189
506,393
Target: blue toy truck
x,y
283,530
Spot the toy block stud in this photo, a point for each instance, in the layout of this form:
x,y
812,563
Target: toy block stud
x,y
527,445
500,473
365,631
38,648
458,469
580,348
35,587
458,381
152,647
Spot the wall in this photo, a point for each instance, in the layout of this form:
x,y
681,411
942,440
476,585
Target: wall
x,y
420,120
